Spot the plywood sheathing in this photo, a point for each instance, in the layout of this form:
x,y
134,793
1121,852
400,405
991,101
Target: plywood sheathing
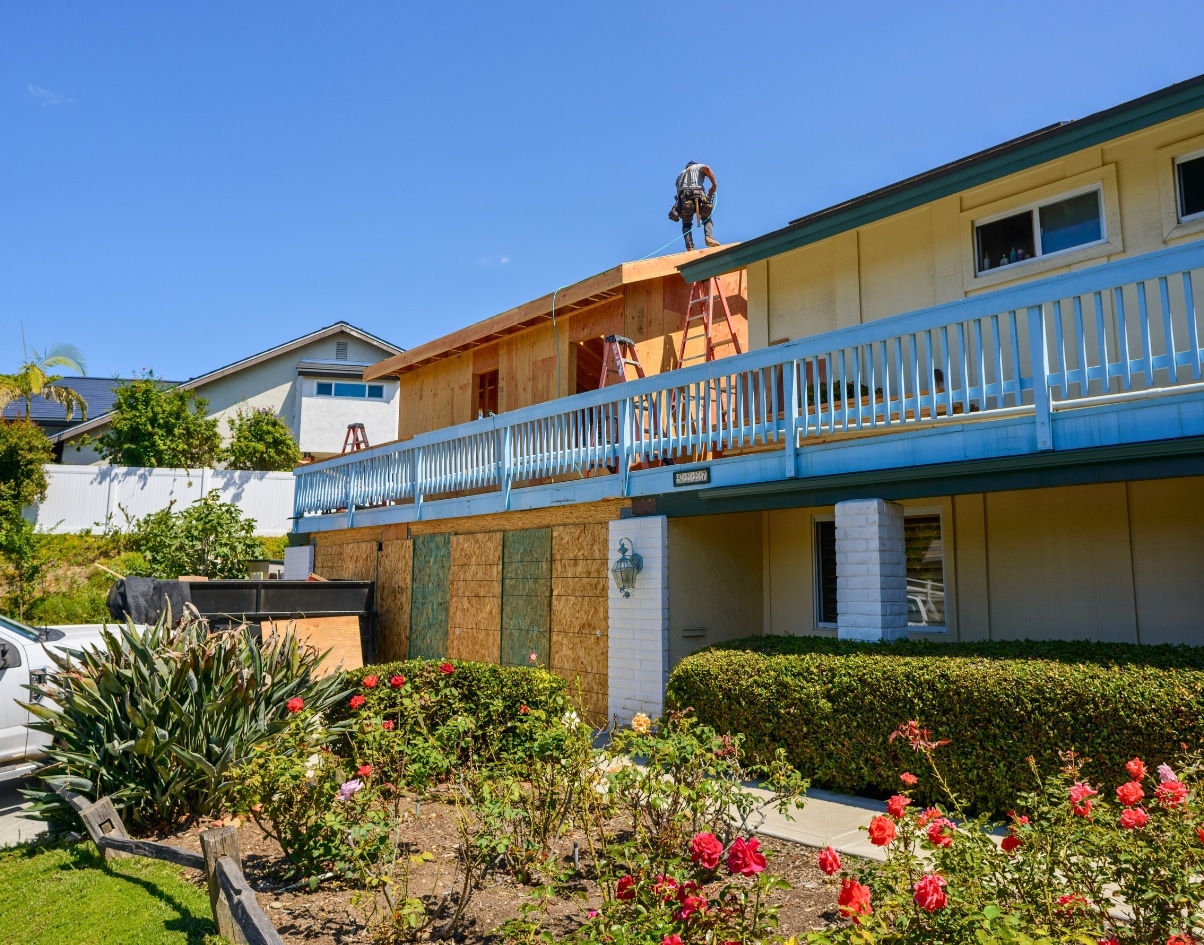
x,y
580,616
475,614
430,596
588,512
346,561
393,569
339,635
526,597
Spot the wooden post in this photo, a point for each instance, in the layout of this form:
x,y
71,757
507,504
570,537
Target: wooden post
x,y
102,820
216,843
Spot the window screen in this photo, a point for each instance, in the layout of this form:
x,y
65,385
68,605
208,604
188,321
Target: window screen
x,y
1049,228
1072,222
1191,187
825,573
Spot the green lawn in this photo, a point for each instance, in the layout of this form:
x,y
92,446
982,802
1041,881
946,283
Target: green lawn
x,y
66,893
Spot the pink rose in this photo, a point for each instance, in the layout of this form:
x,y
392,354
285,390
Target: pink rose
x,y
745,857
930,892
1171,793
897,805
829,861
397,681
1133,817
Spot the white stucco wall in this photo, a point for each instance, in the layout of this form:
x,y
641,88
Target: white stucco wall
x,y
323,420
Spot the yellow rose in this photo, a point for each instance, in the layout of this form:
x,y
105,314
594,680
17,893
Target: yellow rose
x,y
641,724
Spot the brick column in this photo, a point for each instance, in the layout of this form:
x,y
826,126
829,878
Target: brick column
x,y
871,571
638,661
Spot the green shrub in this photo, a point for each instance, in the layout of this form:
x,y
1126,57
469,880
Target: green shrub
x,y
832,706
210,537
474,711
154,719
157,426
260,440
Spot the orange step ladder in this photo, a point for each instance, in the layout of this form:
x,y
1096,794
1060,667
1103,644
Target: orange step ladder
x,y
356,438
620,350
701,312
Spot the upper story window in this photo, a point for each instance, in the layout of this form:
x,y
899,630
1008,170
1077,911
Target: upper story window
x,y
487,399
350,389
1189,182
1051,226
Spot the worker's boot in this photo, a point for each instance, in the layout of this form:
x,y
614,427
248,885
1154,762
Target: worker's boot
x,y
709,231
689,238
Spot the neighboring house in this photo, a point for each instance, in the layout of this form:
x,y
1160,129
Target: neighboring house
x,y
974,409
314,382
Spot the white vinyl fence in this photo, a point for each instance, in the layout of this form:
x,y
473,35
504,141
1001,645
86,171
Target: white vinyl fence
x,y
83,498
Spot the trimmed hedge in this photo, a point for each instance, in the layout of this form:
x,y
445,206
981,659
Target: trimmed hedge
x,y
489,694
832,706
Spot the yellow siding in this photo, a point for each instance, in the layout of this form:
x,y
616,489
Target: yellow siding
x,y
923,256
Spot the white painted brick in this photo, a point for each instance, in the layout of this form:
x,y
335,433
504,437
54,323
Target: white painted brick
x,y
871,569
638,637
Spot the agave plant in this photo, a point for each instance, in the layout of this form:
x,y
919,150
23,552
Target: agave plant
x,y
155,718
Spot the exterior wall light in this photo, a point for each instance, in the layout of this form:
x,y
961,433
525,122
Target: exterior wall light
x,y
626,567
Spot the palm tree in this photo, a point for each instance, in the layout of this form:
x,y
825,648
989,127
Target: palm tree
x,y
34,379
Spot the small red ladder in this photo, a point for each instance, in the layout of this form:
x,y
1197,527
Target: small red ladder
x,y
356,438
703,295
622,351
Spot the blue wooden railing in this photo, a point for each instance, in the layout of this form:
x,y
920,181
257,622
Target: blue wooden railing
x,y
1116,331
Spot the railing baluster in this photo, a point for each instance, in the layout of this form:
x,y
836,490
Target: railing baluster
x,y
1060,346
1193,332
1168,331
1143,320
1122,336
1039,353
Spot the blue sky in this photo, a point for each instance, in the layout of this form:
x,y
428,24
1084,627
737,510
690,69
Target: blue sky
x,y
182,185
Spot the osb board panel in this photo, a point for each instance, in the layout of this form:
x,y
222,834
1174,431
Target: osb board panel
x,y
394,566
430,596
475,613
343,535
328,561
580,541
526,596
579,653
464,643
590,512
339,635
579,568
476,549
580,614
359,561
579,586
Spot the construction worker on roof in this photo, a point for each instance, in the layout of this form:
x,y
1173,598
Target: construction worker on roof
x,y
693,199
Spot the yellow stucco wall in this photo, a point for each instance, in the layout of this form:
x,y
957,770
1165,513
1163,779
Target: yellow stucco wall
x,y
924,256
1114,561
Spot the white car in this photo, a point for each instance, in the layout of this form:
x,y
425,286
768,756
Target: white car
x,y
23,660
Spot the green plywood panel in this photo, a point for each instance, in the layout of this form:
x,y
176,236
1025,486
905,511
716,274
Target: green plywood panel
x,y
430,592
526,596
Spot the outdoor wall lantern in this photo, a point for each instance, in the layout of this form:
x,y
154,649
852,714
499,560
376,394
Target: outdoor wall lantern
x,y
626,567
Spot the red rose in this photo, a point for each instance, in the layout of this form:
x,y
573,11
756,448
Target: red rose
x,y
1068,902
1136,769
745,857
908,778
363,771
854,899
1171,793
1010,843
665,887
523,709
1080,799
896,805
671,940
295,704
1130,793
397,681
446,669
829,861
370,682
689,906
357,701
1133,818
930,892
625,888
882,831
705,850
1200,833
1107,941
387,725
1180,940
936,833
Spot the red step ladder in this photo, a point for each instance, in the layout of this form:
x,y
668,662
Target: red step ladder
x,y
356,438
701,311
621,351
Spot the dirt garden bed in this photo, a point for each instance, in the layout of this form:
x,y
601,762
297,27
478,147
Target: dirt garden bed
x,y
329,915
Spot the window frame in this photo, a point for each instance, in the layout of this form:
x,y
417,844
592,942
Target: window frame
x,y
992,201
366,386
817,575
1033,209
1198,216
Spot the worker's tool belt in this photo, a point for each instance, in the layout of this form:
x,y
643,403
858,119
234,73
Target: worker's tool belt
x,y
694,199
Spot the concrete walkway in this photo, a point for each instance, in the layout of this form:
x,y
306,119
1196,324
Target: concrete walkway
x,y
15,826
827,819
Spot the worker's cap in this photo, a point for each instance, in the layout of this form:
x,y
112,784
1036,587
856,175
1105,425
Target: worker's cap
x,y
688,163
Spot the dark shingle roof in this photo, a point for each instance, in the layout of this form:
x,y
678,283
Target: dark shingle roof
x,y
99,392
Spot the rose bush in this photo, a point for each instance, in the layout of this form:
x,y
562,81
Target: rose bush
x,y
1071,866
